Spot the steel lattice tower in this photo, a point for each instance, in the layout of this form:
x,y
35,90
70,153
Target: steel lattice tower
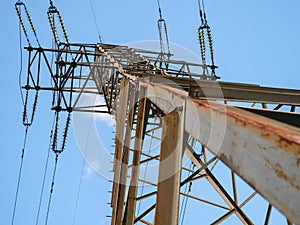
x,y
252,132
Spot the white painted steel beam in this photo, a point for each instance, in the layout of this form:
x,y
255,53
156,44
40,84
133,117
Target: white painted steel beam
x,y
138,143
121,110
264,152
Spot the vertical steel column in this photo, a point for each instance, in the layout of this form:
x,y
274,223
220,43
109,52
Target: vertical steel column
x,y
131,202
124,167
121,114
167,200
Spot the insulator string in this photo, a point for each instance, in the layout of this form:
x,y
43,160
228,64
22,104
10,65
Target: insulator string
x,y
18,6
54,145
163,38
205,37
53,15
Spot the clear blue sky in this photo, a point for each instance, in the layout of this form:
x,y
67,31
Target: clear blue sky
x,y
255,42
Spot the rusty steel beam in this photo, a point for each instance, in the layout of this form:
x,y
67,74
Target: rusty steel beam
x,y
263,151
171,151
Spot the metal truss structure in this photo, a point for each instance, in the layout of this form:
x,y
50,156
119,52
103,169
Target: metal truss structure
x,y
181,134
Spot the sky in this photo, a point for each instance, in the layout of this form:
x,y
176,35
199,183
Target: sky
x,y
255,42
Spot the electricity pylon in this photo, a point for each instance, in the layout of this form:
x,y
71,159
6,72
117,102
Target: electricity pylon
x,y
169,118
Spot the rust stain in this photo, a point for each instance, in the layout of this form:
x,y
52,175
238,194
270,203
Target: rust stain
x,y
244,120
287,139
284,143
234,144
265,134
282,175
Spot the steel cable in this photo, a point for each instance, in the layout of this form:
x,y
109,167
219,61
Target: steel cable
x,y
45,174
19,175
52,188
96,23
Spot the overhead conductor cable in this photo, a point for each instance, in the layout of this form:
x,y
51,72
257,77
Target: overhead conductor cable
x,y
27,121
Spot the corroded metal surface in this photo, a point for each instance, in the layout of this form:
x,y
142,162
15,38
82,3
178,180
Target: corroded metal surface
x,y
264,152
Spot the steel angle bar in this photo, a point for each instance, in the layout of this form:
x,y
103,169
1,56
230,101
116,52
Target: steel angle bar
x,y
231,91
217,186
132,192
290,118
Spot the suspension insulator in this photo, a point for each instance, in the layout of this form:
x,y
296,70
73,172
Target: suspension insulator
x,y
18,6
54,14
65,133
162,28
202,45
27,121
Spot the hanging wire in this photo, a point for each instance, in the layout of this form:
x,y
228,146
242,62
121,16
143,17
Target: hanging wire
x,y
188,188
52,188
185,204
19,176
159,9
82,169
18,6
96,23
26,122
21,64
183,201
45,173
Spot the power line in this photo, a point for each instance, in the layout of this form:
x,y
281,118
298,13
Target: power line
x,y
52,188
19,176
96,22
45,173
26,121
81,173
188,189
